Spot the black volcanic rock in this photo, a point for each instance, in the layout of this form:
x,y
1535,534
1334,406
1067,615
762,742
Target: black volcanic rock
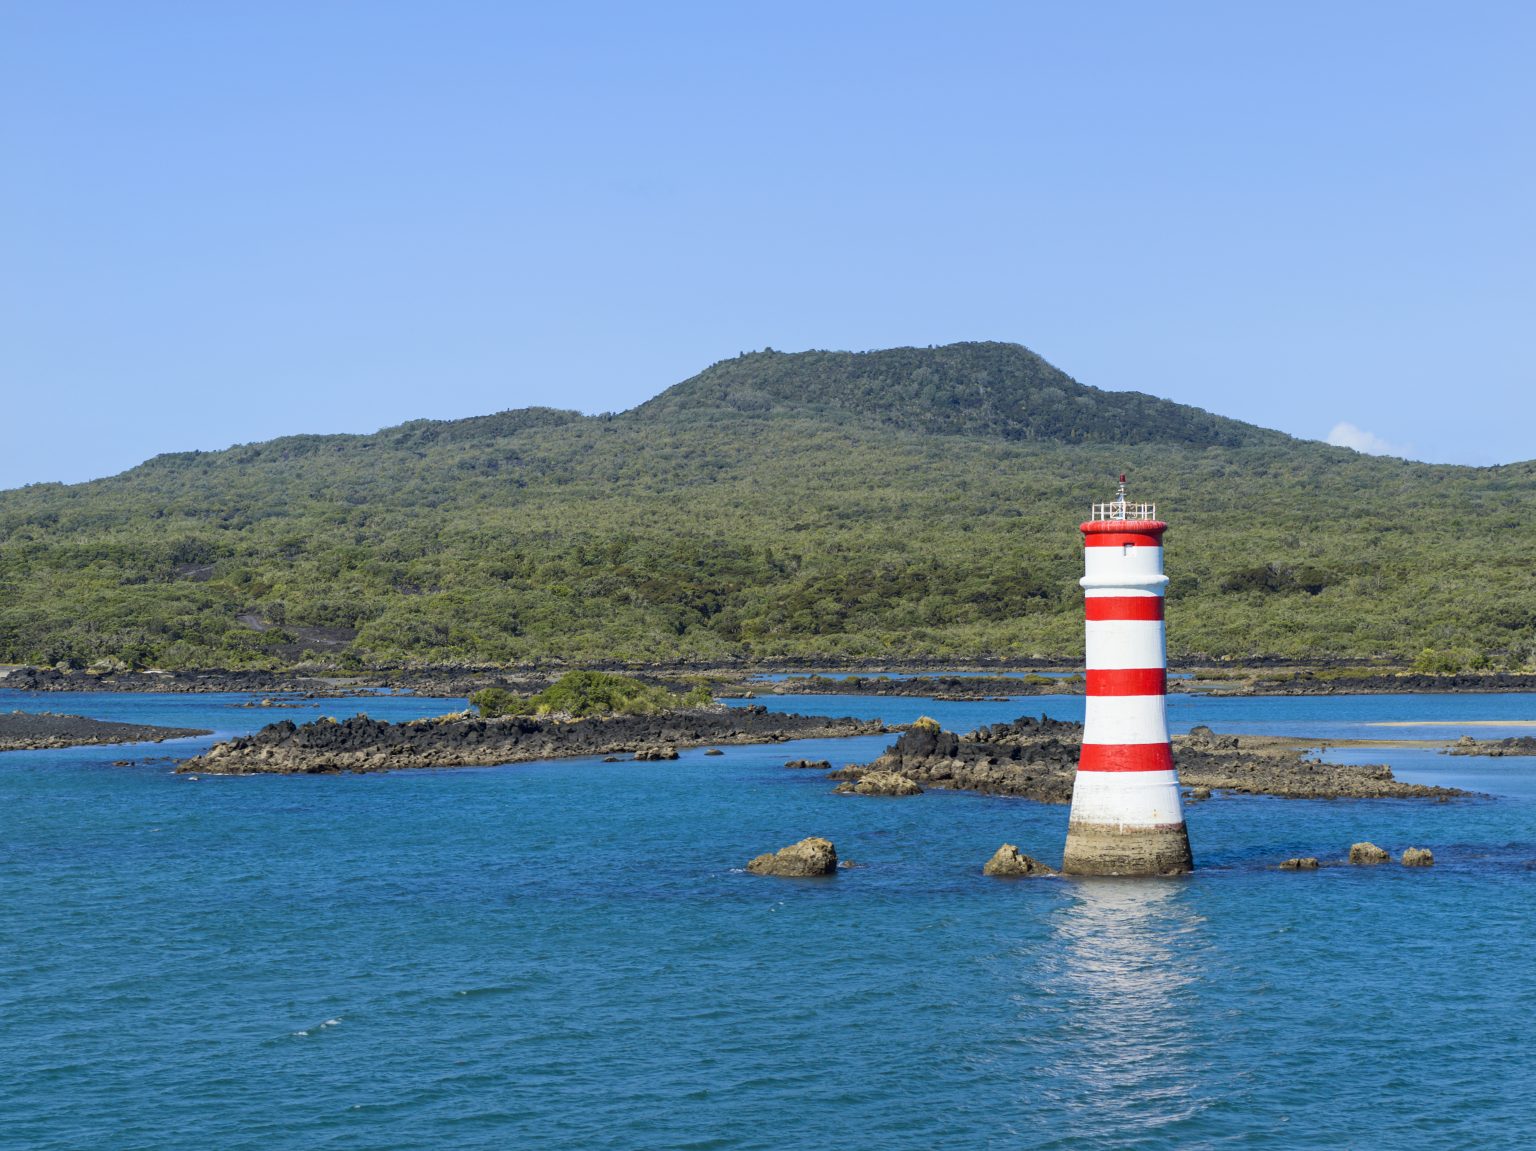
x,y
363,744
33,731
1516,745
1037,759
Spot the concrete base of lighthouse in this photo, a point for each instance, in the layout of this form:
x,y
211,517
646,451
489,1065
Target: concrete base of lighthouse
x,y
1113,849
1127,822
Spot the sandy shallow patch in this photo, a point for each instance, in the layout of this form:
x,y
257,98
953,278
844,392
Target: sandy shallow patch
x,y
1452,723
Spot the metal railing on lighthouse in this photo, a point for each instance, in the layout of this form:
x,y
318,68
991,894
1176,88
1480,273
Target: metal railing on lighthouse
x,y
1118,509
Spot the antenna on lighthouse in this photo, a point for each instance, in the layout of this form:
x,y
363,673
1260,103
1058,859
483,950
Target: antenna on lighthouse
x,y
1120,498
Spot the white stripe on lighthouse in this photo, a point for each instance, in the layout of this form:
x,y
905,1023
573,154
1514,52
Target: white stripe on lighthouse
x,y
1116,644
1127,799
1125,719
1132,560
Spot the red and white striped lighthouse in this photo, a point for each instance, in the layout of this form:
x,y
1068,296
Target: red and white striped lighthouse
x,y
1126,817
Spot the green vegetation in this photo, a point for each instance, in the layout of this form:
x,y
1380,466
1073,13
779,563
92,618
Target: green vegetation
x,y
584,693
915,503
495,702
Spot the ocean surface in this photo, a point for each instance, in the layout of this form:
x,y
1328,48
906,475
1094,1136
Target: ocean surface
x,y
569,955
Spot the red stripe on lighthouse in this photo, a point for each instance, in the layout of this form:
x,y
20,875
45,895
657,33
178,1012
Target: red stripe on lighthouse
x,y
1114,533
1118,539
1101,607
1128,681
1126,757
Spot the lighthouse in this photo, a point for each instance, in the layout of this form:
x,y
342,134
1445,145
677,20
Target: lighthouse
x,y
1126,818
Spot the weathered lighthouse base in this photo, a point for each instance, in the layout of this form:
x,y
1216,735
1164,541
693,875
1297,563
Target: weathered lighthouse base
x,y
1113,849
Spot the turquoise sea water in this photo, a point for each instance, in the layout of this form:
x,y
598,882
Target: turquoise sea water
x,y
567,954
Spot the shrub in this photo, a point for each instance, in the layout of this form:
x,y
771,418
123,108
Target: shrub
x,y
584,693
493,702
581,693
1449,661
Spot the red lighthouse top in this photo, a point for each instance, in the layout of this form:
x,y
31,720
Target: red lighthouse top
x,y
1119,522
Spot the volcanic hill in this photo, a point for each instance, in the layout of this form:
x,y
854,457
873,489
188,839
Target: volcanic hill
x,y
822,506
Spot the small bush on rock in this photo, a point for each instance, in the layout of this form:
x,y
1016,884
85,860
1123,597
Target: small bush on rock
x,y
584,693
493,702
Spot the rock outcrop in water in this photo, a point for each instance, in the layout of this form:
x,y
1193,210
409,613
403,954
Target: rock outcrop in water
x,y
362,744
36,731
1418,857
1037,759
1029,757
1009,861
1516,745
655,754
809,857
1301,863
1368,854
880,783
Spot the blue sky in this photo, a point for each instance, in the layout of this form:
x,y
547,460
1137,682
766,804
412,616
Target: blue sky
x,y
222,222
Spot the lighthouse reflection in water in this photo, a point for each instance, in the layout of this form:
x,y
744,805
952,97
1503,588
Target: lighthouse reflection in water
x,y
1121,964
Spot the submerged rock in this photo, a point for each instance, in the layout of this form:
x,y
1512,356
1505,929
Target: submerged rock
x,y
714,751
1368,853
1418,857
1301,863
1008,860
880,783
811,856
809,764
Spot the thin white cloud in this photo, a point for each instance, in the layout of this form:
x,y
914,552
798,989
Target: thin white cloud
x,y
1346,435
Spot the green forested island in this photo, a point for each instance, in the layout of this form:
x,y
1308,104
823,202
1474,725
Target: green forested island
x,y
917,503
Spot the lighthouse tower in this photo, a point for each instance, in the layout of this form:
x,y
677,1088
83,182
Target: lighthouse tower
x,y
1126,818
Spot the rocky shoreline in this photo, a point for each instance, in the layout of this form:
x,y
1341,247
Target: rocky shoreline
x,y
40,731
1256,677
261,682
1515,745
942,687
441,682
1037,759
362,744
1310,682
